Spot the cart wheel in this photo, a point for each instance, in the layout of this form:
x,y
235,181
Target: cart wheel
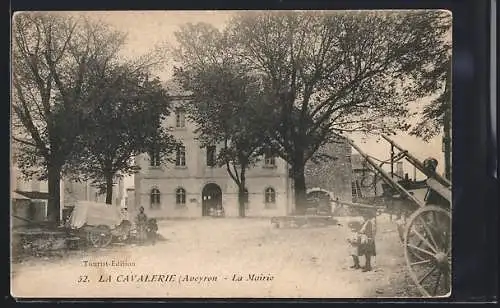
x,y
100,236
428,250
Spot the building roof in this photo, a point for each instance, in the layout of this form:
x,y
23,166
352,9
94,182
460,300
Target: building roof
x,y
34,194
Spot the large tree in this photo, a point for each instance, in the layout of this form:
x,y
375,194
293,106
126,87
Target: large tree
x,y
51,54
224,104
338,72
327,73
125,120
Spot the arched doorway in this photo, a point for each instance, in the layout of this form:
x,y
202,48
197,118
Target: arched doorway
x,y
320,198
211,196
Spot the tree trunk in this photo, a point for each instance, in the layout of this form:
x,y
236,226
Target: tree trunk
x,y
54,202
241,202
299,182
242,194
109,189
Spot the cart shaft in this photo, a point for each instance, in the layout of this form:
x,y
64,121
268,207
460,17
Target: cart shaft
x,y
419,165
385,175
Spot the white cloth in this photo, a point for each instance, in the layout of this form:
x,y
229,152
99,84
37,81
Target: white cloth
x,y
94,214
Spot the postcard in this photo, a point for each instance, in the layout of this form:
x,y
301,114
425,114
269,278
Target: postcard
x,y
231,154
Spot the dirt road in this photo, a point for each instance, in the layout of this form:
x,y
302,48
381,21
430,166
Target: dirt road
x,y
223,258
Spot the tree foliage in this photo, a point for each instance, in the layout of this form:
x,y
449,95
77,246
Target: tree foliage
x,y
63,66
52,88
341,72
434,114
324,73
125,120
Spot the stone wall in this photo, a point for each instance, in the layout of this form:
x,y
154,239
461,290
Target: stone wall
x,y
332,175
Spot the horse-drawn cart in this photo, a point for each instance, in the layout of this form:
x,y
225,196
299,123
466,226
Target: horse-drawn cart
x,y
427,230
98,223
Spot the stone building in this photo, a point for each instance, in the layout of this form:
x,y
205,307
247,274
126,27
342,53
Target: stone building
x,y
333,175
192,185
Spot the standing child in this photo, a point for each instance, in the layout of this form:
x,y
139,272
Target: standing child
x,y
354,241
367,238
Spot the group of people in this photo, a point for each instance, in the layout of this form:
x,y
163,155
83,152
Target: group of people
x,y
362,240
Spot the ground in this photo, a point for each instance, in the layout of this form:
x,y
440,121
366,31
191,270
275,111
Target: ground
x,y
302,262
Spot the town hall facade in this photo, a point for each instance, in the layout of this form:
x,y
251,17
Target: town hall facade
x,y
193,184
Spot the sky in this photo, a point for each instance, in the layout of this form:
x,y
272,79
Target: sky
x,y
147,29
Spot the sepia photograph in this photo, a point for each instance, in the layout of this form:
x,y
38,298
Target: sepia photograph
x,y
231,154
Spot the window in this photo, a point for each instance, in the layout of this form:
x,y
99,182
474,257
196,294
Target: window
x,y
211,156
155,198
356,189
180,196
180,118
180,159
270,195
154,159
269,160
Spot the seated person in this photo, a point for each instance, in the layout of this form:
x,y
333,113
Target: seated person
x,y
152,229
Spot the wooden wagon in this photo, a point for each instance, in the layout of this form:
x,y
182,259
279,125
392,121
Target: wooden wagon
x,y
426,232
98,223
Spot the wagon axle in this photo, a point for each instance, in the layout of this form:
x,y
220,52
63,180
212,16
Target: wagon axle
x,y
441,260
